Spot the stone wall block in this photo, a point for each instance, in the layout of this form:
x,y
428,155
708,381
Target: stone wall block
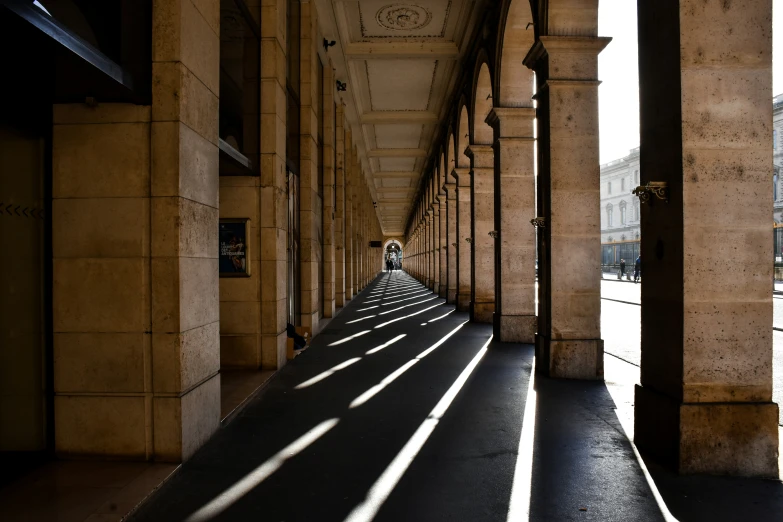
x,y
182,227
101,295
94,161
178,95
183,360
184,164
100,426
100,227
99,362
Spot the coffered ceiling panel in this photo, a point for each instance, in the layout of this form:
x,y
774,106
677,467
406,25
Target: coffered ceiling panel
x,y
397,164
396,182
397,85
397,136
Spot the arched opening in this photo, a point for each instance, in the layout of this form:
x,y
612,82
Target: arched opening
x,y
482,104
514,80
463,139
392,255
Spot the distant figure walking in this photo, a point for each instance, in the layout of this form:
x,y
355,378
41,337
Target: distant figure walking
x,y
637,269
389,265
622,268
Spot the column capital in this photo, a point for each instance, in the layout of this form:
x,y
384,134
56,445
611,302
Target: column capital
x,y
578,47
481,156
512,122
462,175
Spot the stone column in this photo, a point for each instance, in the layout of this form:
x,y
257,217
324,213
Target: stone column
x,y
515,247
349,214
482,250
568,343
464,238
435,247
135,270
705,400
428,247
356,174
441,246
310,262
327,189
343,139
274,197
452,242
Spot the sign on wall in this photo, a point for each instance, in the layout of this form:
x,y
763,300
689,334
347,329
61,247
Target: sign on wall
x,y
234,259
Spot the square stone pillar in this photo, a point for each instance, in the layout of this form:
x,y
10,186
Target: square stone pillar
x,y
482,249
328,192
463,238
568,343
356,174
442,266
339,211
310,211
452,244
274,190
349,214
705,400
515,246
135,270
428,248
436,247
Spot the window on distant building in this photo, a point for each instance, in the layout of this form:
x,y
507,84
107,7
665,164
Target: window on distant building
x,y
774,139
622,185
636,177
609,211
609,187
636,210
622,212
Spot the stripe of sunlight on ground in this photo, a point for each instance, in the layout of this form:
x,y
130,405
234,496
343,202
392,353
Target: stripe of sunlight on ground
x,y
407,305
375,390
321,376
220,503
387,323
399,293
349,338
391,476
422,292
438,318
396,288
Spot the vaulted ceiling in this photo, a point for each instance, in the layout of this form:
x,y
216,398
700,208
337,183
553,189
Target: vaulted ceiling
x,y
400,62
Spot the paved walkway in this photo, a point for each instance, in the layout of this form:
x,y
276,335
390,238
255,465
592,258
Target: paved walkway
x,y
403,411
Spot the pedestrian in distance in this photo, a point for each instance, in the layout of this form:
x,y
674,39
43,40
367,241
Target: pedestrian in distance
x,y
622,268
637,269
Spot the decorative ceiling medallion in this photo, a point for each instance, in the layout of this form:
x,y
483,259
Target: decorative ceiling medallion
x,y
403,17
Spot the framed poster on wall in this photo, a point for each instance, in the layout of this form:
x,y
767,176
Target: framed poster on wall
x,y
233,257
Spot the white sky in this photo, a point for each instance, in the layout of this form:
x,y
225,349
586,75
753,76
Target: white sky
x,y
618,69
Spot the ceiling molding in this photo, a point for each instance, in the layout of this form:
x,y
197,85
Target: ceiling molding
x,y
380,117
401,50
397,153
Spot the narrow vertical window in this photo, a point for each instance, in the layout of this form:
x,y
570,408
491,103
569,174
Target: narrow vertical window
x,y
610,187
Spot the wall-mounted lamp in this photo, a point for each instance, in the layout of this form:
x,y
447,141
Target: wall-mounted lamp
x,y
659,189
329,43
489,96
538,222
494,234
469,239
341,87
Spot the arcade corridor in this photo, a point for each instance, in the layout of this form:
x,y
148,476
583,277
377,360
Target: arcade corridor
x,y
403,410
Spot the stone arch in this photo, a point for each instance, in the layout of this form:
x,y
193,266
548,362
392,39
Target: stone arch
x,y
462,139
451,161
389,241
513,81
482,102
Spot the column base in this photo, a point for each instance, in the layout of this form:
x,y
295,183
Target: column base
x,y
451,296
483,312
442,291
436,288
516,328
738,439
570,358
463,302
